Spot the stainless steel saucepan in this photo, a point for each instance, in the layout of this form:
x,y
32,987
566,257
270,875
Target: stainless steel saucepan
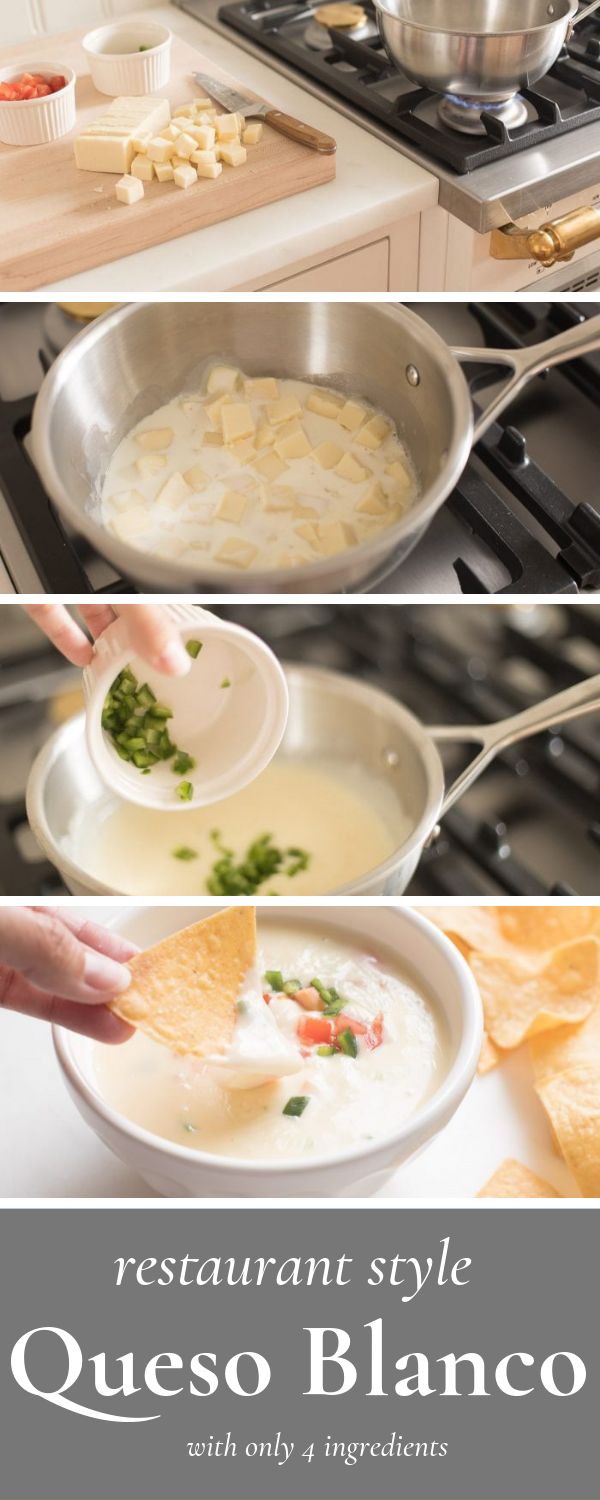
x,y
482,50
332,717
135,358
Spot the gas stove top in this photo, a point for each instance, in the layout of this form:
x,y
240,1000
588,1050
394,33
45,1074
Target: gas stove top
x,y
529,827
354,63
523,518
488,180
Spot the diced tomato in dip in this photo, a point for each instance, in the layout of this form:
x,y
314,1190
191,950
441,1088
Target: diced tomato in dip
x,y
31,86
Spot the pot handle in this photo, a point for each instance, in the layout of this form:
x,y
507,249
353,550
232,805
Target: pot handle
x,y
525,363
572,703
584,12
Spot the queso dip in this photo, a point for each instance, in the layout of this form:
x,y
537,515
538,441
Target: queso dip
x,y
344,818
349,1060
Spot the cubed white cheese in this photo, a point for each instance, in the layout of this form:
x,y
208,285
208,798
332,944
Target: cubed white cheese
x,y
142,168
233,154
185,176
236,552
352,415
174,492
232,506
164,171
129,190
221,379
160,150
151,463
328,455
153,438
349,468
185,145
237,421
209,168
252,134
228,127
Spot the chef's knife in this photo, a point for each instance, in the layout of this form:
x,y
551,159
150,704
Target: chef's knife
x,y
252,109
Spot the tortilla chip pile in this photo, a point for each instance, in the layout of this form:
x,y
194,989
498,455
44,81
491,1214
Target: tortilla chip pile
x,y
538,972
184,990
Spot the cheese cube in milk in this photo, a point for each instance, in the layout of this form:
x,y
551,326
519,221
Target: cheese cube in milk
x,y
150,463
352,415
154,438
222,379
174,492
328,455
232,506
349,468
237,421
263,388
129,190
236,552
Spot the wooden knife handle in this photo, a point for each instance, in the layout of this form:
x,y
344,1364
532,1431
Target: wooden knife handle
x,y
306,135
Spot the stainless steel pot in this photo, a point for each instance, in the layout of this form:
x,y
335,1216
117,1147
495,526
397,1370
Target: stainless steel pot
x,y
484,50
133,359
333,717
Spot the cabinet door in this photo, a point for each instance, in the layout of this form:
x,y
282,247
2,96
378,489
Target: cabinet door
x,y
362,270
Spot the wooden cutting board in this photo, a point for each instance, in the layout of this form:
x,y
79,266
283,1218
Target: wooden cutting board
x,y
58,221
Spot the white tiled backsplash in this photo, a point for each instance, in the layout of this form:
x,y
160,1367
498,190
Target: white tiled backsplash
x,y
41,17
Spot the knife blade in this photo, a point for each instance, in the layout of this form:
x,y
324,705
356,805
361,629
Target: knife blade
x,y
236,103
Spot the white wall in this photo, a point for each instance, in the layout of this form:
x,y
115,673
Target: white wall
x,y
26,18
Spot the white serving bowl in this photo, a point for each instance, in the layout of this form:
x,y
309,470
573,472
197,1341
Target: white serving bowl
x,y
179,1171
116,64
34,122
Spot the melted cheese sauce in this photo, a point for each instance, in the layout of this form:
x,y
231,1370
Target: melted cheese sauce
x,y
176,485
346,819
351,1100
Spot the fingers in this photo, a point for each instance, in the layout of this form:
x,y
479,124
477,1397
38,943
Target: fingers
x,y
62,630
100,938
155,638
95,1021
97,617
43,949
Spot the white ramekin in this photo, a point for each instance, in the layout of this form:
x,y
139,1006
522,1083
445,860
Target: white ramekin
x,y
122,69
34,122
231,732
179,1171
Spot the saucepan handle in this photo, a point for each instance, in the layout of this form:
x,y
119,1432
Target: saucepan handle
x,y
572,703
523,364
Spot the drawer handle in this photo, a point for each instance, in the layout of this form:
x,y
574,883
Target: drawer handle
x,y
549,243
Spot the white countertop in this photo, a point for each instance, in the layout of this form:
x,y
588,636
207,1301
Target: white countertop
x,y
47,1151
375,186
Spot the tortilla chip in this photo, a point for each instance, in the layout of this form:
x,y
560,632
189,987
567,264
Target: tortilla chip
x,y
512,1180
467,926
518,1002
184,990
489,1057
514,931
566,1066
542,927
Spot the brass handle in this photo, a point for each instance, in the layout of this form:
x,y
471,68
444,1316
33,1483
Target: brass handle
x,y
557,240
306,135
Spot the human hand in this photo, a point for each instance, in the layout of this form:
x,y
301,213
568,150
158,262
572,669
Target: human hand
x,y
151,633
58,968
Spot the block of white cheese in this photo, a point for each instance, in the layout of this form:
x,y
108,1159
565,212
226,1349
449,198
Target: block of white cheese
x,y
108,144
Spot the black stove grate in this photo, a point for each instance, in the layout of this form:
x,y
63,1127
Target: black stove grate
x,y
546,542
359,70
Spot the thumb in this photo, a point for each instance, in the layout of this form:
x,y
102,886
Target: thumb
x,y
41,948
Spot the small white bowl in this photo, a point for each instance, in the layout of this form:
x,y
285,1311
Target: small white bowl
x,y
34,122
179,1171
116,64
229,712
